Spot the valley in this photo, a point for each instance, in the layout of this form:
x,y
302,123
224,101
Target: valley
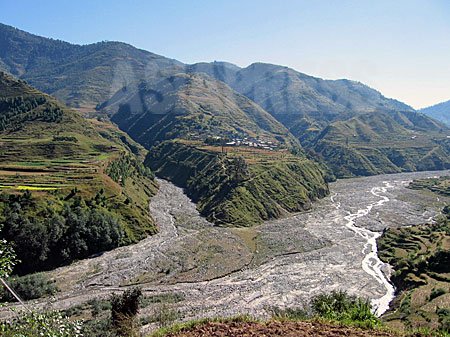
x,y
219,190
224,271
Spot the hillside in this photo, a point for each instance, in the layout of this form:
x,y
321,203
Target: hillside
x,y
244,186
66,182
440,112
377,143
79,76
179,104
154,99
420,256
301,102
353,128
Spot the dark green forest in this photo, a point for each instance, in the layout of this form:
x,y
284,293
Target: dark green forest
x,y
48,234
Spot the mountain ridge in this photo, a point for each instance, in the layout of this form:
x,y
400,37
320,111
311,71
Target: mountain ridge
x,y
78,75
440,112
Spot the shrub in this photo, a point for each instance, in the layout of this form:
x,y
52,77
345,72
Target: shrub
x,y
124,309
28,287
34,324
336,306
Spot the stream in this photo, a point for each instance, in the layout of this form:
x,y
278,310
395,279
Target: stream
x,y
215,271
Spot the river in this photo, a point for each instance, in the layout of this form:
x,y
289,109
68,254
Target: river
x,y
282,263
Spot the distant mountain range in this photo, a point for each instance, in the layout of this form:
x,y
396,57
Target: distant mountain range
x,y
350,126
440,112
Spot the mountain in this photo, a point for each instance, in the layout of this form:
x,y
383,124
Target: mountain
x,y
86,189
79,76
378,142
176,103
353,128
302,103
156,99
440,112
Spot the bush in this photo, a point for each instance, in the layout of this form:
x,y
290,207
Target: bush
x,y
124,309
28,287
341,307
34,324
336,306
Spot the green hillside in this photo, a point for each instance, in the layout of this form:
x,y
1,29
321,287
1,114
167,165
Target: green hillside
x,y
350,126
420,256
242,187
377,143
80,76
353,128
66,182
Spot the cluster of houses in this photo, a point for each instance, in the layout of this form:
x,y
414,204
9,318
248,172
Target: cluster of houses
x,y
252,142
233,141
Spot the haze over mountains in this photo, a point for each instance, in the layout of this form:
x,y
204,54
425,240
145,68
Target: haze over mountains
x,y
353,128
440,111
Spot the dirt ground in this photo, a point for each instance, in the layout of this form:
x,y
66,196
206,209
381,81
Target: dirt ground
x,y
275,328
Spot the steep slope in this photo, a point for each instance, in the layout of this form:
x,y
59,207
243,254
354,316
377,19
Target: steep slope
x,y
184,105
241,187
80,76
86,189
377,143
440,112
420,256
354,128
232,156
302,103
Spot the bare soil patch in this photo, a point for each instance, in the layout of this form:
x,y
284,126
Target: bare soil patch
x,y
275,328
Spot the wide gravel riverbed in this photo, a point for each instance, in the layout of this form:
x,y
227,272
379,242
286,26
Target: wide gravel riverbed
x,y
283,263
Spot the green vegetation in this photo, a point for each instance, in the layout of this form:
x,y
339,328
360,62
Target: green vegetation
x,y
381,142
28,287
124,309
336,306
127,166
439,185
70,206
240,188
52,232
420,256
80,76
41,324
8,257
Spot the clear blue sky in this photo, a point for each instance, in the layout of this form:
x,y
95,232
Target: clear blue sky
x,y
400,47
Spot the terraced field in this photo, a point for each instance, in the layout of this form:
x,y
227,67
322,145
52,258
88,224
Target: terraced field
x,y
420,255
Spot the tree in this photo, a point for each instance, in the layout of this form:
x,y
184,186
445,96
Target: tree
x,y
124,309
8,258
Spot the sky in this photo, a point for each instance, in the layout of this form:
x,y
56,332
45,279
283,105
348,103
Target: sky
x,y
399,47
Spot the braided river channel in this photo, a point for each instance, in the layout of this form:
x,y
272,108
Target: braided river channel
x,y
218,271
